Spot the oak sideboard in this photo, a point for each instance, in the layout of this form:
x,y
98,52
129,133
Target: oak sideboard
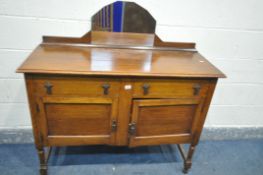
x,y
117,88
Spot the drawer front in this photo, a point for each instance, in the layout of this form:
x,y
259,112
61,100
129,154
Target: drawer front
x,y
170,88
76,86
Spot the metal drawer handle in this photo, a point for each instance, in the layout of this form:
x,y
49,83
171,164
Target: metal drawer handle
x,y
105,88
196,88
48,87
145,89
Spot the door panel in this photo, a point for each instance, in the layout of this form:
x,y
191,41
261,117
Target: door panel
x,y
164,121
158,120
78,120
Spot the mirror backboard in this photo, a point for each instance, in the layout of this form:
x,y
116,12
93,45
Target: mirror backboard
x,y
122,24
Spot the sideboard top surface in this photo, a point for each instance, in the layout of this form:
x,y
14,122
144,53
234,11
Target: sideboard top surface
x,y
56,59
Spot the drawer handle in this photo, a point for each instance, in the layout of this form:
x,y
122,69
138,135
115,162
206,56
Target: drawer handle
x,y
48,87
145,89
196,88
105,88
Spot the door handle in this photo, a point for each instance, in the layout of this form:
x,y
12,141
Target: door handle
x,y
132,128
114,126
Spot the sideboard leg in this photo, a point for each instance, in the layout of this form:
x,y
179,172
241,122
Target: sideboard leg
x,y
188,160
43,163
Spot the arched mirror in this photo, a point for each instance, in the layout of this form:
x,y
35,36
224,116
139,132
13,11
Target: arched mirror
x,y
123,16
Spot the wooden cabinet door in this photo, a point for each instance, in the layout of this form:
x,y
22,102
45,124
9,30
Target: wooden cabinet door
x,y
77,120
163,121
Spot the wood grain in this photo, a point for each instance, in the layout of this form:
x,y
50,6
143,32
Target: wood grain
x,y
124,112
114,38
78,116
170,88
119,62
160,140
84,39
198,127
36,124
78,140
78,119
159,42
75,86
164,118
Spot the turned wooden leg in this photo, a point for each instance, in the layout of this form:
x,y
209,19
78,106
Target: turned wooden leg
x,y
187,166
188,160
42,161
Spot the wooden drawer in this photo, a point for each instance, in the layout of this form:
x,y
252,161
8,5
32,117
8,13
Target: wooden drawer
x,y
76,86
170,88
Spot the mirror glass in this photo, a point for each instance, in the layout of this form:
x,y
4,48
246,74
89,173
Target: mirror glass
x,y
123,16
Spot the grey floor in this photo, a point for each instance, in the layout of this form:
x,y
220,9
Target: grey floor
x,y
242,157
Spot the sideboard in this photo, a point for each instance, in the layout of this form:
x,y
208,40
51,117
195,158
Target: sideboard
x,y
119,89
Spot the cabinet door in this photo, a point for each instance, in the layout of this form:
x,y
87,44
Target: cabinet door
x,y
78,120
163,121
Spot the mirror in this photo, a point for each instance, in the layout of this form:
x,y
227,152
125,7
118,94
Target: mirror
x,y
123,16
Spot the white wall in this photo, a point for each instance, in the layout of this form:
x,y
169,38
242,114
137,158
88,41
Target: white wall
x,y
228,33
